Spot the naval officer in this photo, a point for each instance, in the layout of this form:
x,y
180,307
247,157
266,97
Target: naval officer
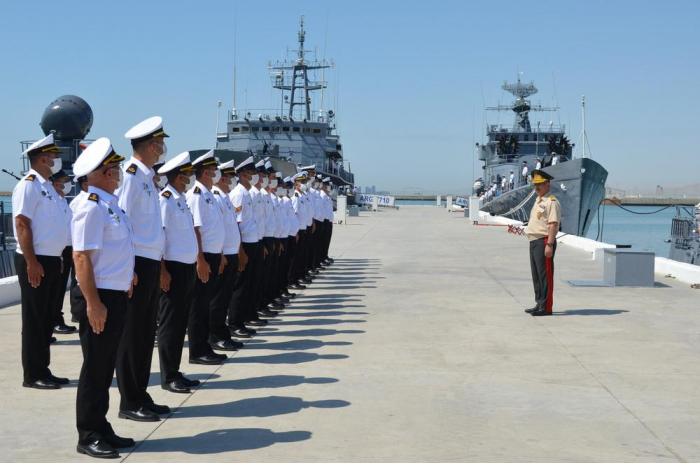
x,y
103,253
138,198
241,309
542,232
178,272
327,220
62,183
210,231
219,333
37,212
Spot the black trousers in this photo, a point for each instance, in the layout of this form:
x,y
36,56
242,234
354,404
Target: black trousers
x,y
261,300
271,262
198,326
285,261
221,299
67,257
99,360
173,314
328,230
38,311
136,348
240,307
320,242
299,258
542,274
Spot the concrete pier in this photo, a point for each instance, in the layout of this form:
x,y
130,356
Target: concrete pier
x,y
414,347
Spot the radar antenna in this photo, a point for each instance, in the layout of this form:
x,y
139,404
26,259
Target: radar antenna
x,y
521,106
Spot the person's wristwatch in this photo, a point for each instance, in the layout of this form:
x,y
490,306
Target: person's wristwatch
x,y
551,245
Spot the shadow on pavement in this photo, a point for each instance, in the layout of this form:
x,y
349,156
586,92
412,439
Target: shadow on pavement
x,y
590,312
266,382
221,441
260,407
317,321
315,332
299,344
322,314
291,358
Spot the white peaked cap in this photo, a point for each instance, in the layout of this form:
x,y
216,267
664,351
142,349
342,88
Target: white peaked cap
x,y
98,154
206,159
179,162
247,164
45,144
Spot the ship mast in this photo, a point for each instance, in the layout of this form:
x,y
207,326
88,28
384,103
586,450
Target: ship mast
x,y
583,138
521,106
296,80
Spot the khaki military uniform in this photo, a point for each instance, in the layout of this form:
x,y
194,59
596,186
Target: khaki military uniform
x,y
546,210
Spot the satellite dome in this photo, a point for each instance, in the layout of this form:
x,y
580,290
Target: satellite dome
x,y
69,117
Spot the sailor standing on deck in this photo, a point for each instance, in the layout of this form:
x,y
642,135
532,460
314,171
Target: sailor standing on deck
x,y
542,231
39,225
210,231
103,253
241,309
301,207
61,182
524,179
293,232
219,333
178,272
138,198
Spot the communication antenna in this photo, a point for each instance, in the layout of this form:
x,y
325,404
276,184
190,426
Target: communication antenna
x,y
235,29
583,138
323,70
218,113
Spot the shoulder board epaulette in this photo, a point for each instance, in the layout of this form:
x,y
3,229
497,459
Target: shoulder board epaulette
x,y
216,192
552,198
197,190
132,169
30,178
93,197
166,194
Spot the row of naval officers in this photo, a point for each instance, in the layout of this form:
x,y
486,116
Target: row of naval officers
x,y
211,256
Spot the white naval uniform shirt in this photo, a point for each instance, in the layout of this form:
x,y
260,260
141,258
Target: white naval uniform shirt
x,y
99,225
180,239
327,206
35,198
207,216
243,205
298,208
270,223
68,215
318,205
232,241
310,208
76,201
258,211
138,198
281,213
291,216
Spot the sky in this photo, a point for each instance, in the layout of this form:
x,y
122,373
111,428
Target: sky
x,y
410,84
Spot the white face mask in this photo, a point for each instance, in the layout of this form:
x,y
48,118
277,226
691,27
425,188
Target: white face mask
x,y
234,181
273,184
302,187
57,165
264,182
192,178
161,182
161,156
217,176
255,179
281,192
120,178
66,187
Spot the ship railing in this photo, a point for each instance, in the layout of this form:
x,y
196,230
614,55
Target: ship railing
x,y
542,129
272,115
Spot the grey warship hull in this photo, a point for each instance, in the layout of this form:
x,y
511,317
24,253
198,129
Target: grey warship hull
x,y
579,185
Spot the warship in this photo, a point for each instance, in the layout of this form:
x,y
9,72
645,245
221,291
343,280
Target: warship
x,y
579,182
294,133
685,236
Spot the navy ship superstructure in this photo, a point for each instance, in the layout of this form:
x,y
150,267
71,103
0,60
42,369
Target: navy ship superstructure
x,y
294,132
579,183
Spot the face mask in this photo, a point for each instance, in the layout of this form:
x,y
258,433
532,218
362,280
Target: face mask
x,y
302,187
66,187
254,179
120,178
264,182
57,165
281,192
217,176
161,182
273,184
191,179
234,182
161,156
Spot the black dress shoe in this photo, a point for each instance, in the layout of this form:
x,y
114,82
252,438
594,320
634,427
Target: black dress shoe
x,y
267,313
223,345
305,281
541,313
53,339
98,449
532,309
237,344
274,305
158,409
119,442
41,384
209,359
314,272
58,380
142,414
256,322
176,386
240,333
289,295
297,286
222,357
64,329
282,300
189,382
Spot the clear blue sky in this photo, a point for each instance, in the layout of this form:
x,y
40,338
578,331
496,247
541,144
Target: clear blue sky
x,y
409,76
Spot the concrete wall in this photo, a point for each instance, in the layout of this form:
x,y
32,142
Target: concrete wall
x,y
9,291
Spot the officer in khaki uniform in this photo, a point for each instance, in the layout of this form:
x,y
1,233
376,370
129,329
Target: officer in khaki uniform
x,y
542,231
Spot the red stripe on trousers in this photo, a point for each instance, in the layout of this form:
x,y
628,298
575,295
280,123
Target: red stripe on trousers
x,y
550,280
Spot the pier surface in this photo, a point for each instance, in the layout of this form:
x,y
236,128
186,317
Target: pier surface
x,y
414,347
